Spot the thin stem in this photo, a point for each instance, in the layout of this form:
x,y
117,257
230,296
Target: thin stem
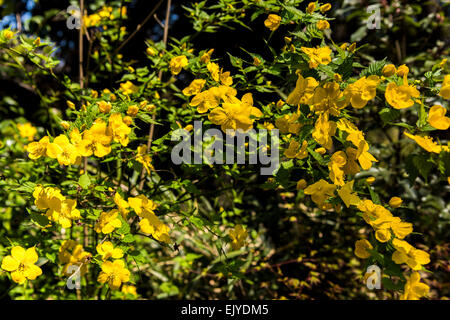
x,y
80,46
152,125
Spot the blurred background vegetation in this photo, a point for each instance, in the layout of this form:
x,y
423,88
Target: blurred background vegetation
x,y
299,252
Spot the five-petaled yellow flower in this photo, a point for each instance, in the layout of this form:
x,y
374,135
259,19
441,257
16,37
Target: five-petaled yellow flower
x,y
21,264
114,273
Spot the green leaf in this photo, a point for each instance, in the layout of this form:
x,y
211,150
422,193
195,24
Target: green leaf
x,y
128,238
39,219
27,187
373,195
389,115
423,164
84,181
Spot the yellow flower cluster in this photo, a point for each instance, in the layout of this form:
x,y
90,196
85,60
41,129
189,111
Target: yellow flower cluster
x,y
93,141
71,253
106,13
234,113
59,209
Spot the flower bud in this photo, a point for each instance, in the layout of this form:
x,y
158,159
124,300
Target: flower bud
x,y
389,70
395,202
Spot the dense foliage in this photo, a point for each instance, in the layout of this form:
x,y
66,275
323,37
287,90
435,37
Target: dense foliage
x,y
89,188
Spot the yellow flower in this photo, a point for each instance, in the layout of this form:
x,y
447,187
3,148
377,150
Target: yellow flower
x,y
389,70
127,120
329,98
311,7
96,140
317,56
325,7
402,70
351,167
437,118
63,212
225,78
27,131
445,89
294,150
195,87
72,254
323,131
303,92
235,115
141,203
177,63
21,264
62,150
108,221
355,136
60,209
406,253
121,204
365,159
38,149
144,158
323,24
107,250
132,110
8,34
104,107
152,225
65,125
206,56
370,180
129,290
238,236
320,191
335,166
114,273
321,150
395,202
210,98
272,22
347,195
118,129
301,184
128,88
414,289
360,248
337,77
214,69
427,143
151,51
400,97
362,91
288,123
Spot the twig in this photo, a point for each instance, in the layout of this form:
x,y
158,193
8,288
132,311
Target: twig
x,y
139,26
152,125
80,46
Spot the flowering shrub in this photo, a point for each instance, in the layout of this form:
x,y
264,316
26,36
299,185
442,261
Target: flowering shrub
x,y
96,188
